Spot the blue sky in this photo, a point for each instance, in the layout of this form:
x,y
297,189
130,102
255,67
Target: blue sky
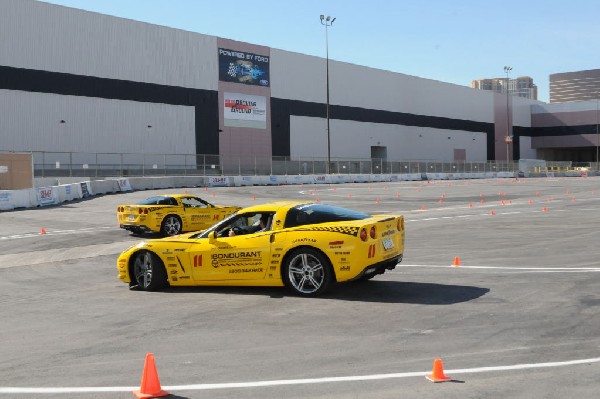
x,y
453,41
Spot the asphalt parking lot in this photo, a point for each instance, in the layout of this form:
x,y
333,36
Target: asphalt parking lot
x,y
519,318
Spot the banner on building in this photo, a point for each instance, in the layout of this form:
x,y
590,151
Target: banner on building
x,y
244,110
242,67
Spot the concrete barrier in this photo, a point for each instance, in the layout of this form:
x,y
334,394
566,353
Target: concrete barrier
x,y
104,186
68,192
44,194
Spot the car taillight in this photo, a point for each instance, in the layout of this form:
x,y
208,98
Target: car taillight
x,y
363,234
140,211
372,232
145,211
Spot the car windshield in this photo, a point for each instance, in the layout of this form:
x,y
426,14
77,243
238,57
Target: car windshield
x,y
159,201
225,222
320,213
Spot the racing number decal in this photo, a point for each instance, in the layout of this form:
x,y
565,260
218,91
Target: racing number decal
x,y
197,260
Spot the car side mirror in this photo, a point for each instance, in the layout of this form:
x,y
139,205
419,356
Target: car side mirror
x,y
212,237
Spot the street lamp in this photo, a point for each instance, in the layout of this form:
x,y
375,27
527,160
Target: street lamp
x,y
327,21
507,69
597,136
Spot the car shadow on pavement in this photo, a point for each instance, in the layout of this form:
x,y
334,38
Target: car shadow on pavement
x,y
406,292
365,291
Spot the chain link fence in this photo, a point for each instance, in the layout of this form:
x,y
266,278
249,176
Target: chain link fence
x,y
99,165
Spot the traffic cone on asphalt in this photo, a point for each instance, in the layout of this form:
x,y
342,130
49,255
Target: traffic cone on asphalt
x,y
43,231
456,261
437,374
150,386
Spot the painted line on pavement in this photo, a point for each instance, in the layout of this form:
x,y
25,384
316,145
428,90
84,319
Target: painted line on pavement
x,y
56,232
529,269
255,384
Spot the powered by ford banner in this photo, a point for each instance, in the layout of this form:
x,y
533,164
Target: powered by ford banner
x,y
242,67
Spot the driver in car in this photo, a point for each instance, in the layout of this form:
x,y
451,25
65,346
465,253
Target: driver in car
x,y
262,226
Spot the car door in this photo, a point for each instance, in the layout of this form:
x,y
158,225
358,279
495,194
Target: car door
x,y
243,257
198,213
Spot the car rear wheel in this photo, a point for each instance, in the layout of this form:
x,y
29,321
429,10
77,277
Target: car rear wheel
x,y
307,272
149,271
171,225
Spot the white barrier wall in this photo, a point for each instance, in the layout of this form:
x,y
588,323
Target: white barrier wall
x,y
53,195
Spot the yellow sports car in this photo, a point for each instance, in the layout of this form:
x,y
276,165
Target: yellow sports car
x,y
171,214
303,246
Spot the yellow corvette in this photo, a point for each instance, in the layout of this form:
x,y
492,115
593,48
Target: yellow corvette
x,y
171,214
304,246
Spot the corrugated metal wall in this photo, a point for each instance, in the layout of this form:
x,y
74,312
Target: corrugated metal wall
x,y
42,36
32,122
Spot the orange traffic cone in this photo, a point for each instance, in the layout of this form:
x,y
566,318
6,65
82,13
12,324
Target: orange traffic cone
x,y
437,374
456,261
43,231
492,212
150,386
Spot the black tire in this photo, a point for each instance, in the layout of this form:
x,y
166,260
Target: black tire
x,y
149,271
171,225
307,272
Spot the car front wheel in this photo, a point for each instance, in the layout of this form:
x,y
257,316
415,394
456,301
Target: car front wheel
x,y
149,271
307,272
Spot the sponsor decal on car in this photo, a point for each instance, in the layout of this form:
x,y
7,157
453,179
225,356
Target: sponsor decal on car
x,y
254,270
249,258
303,240
371,251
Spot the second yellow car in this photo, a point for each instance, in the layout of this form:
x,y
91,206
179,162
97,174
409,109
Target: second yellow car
x,y
171,214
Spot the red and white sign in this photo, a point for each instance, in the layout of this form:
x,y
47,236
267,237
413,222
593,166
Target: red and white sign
x,y
244,110
46,196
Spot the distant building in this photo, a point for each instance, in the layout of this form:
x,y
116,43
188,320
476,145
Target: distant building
x,y
574,86
522,86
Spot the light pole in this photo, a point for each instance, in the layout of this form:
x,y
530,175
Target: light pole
x,y
507,69
597,137
327,21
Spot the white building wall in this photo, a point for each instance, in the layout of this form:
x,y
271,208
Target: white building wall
x,y
43,36
308,139
31,122
300,77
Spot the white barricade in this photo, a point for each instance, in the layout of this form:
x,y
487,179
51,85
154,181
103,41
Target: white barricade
x,y
68,192
504,175
218,181
6,203
297,179
104,186
85,188
239,181
319,179
46,196
123,184
275,180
